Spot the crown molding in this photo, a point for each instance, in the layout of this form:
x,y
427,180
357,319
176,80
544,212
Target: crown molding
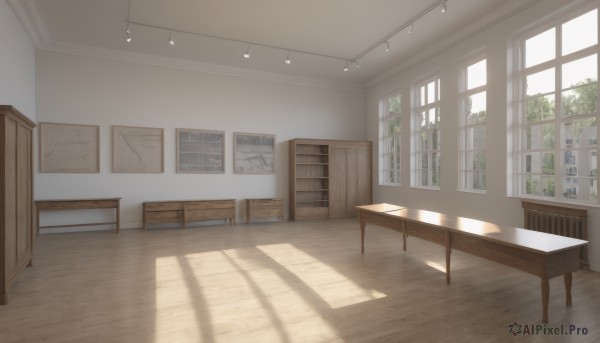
x,y
484,23
28,14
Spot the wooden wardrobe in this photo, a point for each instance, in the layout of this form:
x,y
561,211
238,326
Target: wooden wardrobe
x,y
329,177
16,200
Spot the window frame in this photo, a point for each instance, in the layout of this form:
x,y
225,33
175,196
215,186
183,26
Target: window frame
x,y
416,149
519,170
465,93
385,151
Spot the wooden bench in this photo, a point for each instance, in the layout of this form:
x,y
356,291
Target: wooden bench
x,y
541,254
78,204
185,211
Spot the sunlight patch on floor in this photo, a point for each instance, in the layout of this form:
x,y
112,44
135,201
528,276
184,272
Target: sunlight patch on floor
x,y
232,296
333,287
433,264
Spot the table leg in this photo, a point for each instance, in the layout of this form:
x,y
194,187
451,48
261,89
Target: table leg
x,y
568,283
362,236
37,220
448,252
545,299
404,236
118,215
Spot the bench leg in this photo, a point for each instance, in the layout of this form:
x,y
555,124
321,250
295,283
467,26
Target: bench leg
x,y
362,237
448,252
545,299
568,283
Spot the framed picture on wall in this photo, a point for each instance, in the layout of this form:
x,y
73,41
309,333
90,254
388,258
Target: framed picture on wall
x,y
69,148
200,151
137,149
253,153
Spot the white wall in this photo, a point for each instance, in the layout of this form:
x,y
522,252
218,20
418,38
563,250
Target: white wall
x,y
495,206
105,92
17,64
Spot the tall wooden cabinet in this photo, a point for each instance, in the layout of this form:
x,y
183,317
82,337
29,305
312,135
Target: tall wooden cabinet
x,y
16,196
328,178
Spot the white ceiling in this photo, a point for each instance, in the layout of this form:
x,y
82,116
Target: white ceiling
x,y
340,28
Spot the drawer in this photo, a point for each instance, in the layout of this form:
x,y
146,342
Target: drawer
x,y
265,202
201,205
164,216
312,212
266,212
207,214
163,206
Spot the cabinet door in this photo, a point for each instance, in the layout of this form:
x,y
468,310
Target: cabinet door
x,y
363,176
338,162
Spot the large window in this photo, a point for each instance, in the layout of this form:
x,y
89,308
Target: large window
x,y
473,112
389,139
557,111
426,150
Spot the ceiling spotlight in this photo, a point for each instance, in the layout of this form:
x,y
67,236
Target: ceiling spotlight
x,y
247,53
128,34
287,58
171,41
346,68
444,7
387,46
411,28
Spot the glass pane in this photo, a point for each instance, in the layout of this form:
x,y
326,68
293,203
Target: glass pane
x,y
431,92
579,133
394,104
540,48
422,97
569,188
533,185
548,136
432,118
539,108
540,83
476,74
435,169
476,138
547,186
539,137
424,141
580,32
422,120
534,163
548,163
435,140
580,72
475,108
580,100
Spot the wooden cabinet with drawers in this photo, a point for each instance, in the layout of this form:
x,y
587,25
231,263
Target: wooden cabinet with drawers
x,y
270,207
186,211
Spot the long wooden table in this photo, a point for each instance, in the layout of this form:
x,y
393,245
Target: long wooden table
x,y
78,204
541,254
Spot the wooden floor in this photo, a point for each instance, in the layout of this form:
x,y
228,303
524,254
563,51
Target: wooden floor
x,y
273,282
